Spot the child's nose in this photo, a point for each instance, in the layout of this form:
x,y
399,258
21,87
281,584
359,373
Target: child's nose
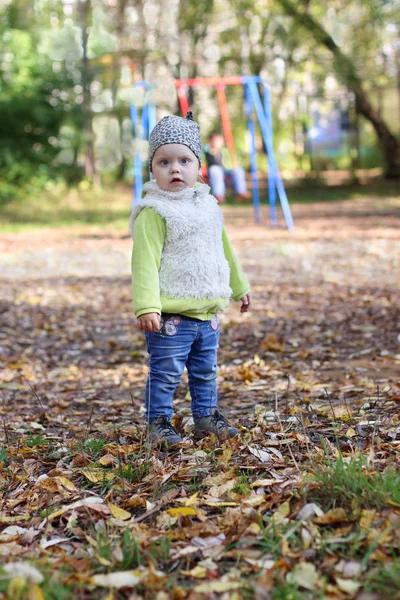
x,y
175,167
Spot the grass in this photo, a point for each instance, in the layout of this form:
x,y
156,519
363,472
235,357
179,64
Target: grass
x,y
355,484
384,580
92,447
110,207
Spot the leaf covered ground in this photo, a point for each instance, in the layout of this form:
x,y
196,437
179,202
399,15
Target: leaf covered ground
x,y
305,504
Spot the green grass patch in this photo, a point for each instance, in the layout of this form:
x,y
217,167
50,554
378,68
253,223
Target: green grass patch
x,y
355,484
384,580
110,207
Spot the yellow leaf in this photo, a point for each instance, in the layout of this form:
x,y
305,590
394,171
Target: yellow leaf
x,y
280,514
192,501
350,432
16,519
254,528
182,510
119,513
217,586
97,476
198,571
218,503
219,479
335,515
220,490
348,585
265,482
305,576
67,483
107,460
367,518
35,592
226,455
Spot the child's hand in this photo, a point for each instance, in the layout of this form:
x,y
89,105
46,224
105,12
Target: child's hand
x,y
246,303
149,322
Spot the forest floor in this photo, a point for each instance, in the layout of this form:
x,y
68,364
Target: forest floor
x,y
304,504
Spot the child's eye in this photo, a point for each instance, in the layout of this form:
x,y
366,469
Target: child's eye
x,y
185,161
164,162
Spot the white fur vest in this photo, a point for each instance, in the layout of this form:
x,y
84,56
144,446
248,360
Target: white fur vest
x,y
193,263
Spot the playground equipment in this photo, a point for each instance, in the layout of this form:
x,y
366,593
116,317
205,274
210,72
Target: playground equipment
x,y
254,107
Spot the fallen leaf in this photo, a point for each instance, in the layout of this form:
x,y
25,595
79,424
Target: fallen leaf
x,y
183,511
219,587
347,585
35,593
119,513
261,454
24,571
305,576
335,515
118,580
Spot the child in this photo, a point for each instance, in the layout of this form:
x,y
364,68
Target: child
x,y
183,273
215,156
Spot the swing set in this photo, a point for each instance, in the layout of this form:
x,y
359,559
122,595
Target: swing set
x,y
255,107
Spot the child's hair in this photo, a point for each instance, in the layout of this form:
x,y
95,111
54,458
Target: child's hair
x,y
214,134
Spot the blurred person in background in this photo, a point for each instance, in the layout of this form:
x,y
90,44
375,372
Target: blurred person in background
x,y
220,166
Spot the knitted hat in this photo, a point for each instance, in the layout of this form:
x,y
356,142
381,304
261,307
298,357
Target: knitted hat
x,y
176,130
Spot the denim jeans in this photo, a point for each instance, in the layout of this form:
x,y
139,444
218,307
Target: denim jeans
x,y
180,342
216,176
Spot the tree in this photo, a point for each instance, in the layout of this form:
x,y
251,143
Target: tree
x,y
346,71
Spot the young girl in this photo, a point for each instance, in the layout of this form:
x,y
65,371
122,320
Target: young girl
x,y
183,273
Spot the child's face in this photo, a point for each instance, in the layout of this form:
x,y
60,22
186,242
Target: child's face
x,y
216,142
175,167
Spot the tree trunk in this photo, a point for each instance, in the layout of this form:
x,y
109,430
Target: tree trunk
x,y
346,71
90,171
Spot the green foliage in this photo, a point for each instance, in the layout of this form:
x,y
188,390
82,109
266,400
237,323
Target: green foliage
x,y
34,102
354,484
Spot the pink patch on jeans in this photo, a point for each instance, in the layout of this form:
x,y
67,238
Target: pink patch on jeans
x,y
214,323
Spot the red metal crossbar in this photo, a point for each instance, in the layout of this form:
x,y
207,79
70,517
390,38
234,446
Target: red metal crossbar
x,y
233,80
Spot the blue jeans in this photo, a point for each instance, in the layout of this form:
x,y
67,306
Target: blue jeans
x,y
181,342
216,176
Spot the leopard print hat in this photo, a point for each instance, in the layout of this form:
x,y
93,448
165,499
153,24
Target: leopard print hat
x,y
176,130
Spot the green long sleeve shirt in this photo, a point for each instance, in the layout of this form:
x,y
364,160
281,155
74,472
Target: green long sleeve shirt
x,y
149,236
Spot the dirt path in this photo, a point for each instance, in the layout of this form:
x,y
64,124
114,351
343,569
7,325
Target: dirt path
x,y
326,318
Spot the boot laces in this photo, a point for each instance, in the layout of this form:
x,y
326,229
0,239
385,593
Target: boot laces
x,y
164,427
220,420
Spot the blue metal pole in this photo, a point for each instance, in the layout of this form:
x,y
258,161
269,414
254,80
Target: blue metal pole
x,y
268,142
148,120
137,166
151,122
253,154
271,172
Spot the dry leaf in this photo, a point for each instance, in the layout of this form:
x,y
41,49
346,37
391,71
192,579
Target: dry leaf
x,y
219,587
335,515
183,511
262,455
348,585
119,513
118,580
23,570
305,576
